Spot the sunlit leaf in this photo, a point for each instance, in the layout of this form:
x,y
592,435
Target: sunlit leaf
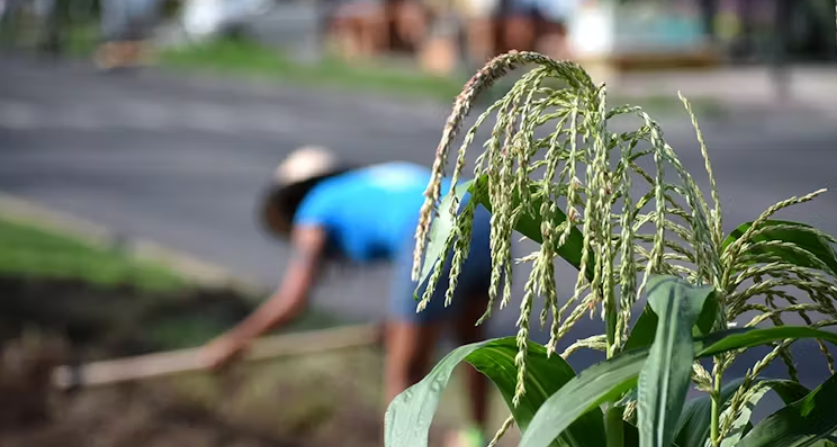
x,y
666,375
693,427
739,425
787,390
830,441
720,342
800,236
800,424
530,226
409,415
642,334
598,384
608,381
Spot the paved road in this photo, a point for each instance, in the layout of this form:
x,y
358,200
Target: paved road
x,y
183,162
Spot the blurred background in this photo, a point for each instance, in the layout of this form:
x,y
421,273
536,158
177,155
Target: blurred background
x,y
137,138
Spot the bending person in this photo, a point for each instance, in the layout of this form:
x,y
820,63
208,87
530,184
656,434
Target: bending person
x,y
362,215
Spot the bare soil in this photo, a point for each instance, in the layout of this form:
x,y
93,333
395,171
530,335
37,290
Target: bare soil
x,y
322,401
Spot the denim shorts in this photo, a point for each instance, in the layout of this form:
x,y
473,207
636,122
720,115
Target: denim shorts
x,y
473,282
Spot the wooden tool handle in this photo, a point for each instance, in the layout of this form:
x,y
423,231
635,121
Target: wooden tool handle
x,y
185,360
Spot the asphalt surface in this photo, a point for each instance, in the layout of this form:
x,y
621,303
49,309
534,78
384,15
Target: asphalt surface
x,y
183,161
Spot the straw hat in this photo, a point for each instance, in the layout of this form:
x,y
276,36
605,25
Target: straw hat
x,y
291,180
304,163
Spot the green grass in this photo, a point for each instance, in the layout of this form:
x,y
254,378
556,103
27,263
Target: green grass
x,y
32,252
82,40
243,57
291,396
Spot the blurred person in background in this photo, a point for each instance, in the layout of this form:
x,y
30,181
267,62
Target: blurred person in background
x,y
357,27
364,28
332,213
126,26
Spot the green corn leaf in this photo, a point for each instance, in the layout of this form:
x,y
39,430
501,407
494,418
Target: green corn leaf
x,y
742,422
642,334
408,417
800,424
665,377
631,435
789,392
693,427
828,441
801,236
440,228
723,341
530,226
608,381
598,384
831,442
545,376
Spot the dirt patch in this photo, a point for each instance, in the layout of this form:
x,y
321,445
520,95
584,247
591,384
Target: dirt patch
x,y
312,401
102,322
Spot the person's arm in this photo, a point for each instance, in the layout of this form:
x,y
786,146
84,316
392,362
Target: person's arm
x,y
287,303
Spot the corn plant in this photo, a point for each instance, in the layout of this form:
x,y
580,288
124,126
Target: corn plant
x,y
573,190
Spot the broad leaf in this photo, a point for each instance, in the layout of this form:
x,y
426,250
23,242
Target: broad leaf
x,y
409,415
609,380
440,228
830,441
787,390
800,236
802,423
631,435
642,334
530,226
545,376
693,427
598,384
741,423
665,377
720,342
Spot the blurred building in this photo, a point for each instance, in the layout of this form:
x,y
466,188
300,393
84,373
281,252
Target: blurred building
x,y
447,35
755,30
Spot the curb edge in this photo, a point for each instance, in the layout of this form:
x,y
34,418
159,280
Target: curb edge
x,y
200,272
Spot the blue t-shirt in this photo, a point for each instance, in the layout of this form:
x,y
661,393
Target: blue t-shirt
x,y
370,212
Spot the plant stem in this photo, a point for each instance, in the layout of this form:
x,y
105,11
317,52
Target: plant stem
x,y
614,431
611,317
613,427
715,434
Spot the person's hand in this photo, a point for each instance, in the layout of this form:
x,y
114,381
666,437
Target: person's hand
x,y
222,351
